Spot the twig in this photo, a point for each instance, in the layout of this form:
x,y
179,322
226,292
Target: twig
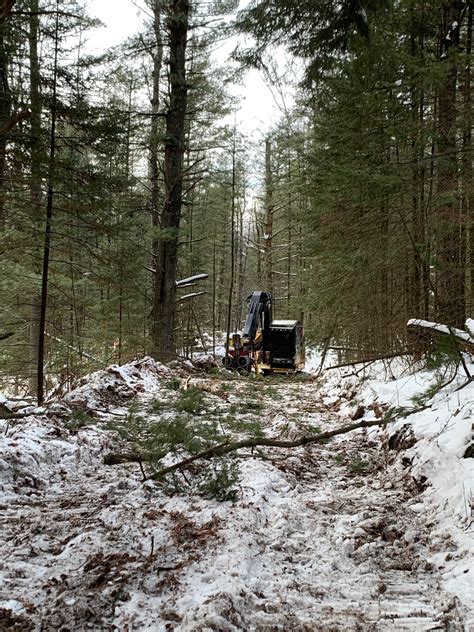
x,y
142,470
464,365
184,476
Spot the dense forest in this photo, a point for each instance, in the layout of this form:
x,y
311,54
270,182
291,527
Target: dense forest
x,y
122,174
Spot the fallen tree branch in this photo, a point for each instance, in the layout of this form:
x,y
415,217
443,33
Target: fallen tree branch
x,y
117,458
387,356
8,417
224,448
228,446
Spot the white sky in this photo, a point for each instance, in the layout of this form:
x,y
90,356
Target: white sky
x,y
122,18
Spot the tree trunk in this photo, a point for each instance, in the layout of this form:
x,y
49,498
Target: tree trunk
x,y
164,300
36,197
5,111
154,142
48,223
232,254
450,255
467,159
290,227
416,285
268,237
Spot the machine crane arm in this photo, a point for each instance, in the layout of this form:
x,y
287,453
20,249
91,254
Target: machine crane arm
x,y
259,315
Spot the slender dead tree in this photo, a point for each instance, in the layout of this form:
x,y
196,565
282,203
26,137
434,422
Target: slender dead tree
x,y
49,217
232,250
154,138
36,187
269,210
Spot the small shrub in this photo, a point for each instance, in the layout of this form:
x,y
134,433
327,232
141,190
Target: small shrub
x,y
173,384
444,351
215,371
358,465
220,481
77,420
246,406
227,387
271,391
253,428
158,406
441,379
191,401
132,428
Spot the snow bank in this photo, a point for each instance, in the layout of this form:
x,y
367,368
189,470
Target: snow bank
x,y
49,445
442,423
38,454
117,383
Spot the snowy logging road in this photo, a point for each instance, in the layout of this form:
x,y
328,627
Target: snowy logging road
x,y
331,537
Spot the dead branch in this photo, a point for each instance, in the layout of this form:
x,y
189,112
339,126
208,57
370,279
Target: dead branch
x,y
12,416
387,356
13,121
226,447
231,446
117,458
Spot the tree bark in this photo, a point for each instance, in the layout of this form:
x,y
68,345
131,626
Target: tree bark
x,y
48,223
5,112
6,8
36,196
269,208
450,286
417,302
154,141
467,159
232,253
164,301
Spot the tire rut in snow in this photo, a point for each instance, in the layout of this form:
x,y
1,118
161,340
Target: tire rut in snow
x,y
337,549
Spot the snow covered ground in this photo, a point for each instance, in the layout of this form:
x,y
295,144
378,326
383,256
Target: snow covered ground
x,y
372,530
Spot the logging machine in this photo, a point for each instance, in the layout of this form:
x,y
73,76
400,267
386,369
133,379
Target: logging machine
x,y
266,345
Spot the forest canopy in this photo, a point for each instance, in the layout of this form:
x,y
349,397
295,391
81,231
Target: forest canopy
x,y
124,172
